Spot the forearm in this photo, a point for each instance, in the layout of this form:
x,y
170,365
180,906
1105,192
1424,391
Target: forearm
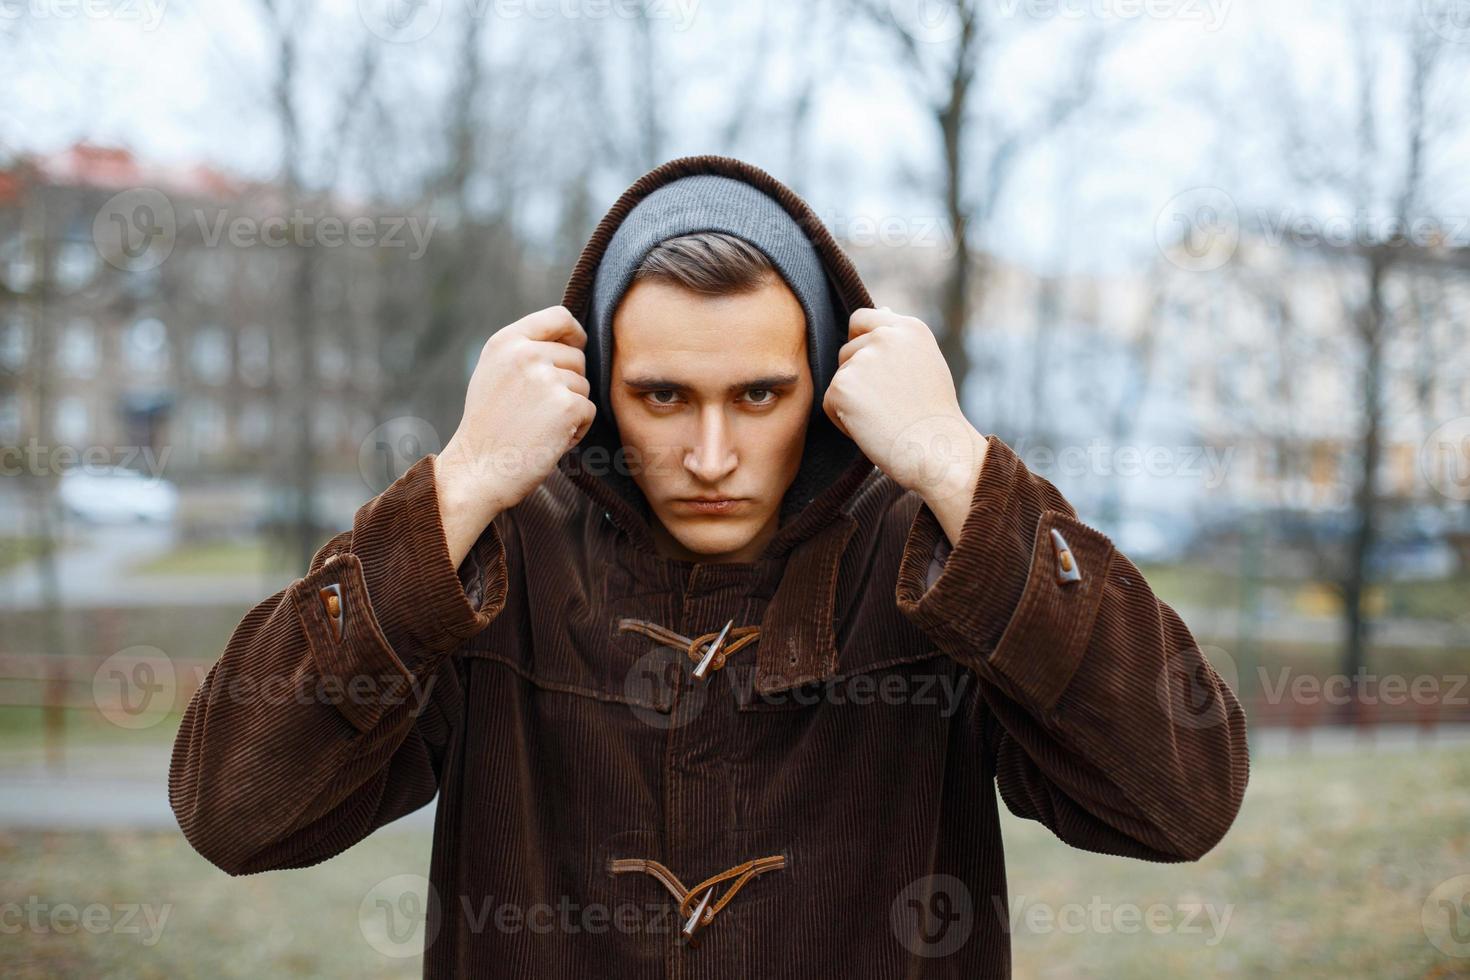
x,y
950,493
1098,686
316,693
465,510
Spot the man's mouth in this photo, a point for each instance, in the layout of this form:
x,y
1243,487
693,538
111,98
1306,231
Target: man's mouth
x,y
710,505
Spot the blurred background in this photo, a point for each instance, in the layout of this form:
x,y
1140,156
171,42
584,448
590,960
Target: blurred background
x,y
1205,264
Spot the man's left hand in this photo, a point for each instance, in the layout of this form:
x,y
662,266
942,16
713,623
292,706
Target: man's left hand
x,y
894,396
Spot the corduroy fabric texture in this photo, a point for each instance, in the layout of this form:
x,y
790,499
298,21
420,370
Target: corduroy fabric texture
x,y
893,691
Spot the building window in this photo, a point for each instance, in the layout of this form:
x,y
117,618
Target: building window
x,y
72,423
332,362
15,342
10,420
77,355
329,427
255,425
146,345
210,355
254,356
206,426
76,264
16,266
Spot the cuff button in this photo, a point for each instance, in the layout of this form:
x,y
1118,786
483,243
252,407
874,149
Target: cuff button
x,y
1067,570
331,598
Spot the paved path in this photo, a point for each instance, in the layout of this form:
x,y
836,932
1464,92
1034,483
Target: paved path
x,y
103,787
106,787
99,572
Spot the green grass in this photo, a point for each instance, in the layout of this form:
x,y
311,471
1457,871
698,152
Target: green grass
x,y
24,734
229,557
1193,584
13,551
187,632
1324,874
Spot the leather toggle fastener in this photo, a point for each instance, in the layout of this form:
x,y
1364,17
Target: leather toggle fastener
x,y
1067,570
702,667
707,651
698,915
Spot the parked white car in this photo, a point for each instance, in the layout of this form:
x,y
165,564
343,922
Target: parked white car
x,y
116,494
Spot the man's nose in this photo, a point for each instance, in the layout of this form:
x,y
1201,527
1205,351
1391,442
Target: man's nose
x,y
712,457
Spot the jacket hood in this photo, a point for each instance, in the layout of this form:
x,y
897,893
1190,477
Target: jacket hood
x,y
717,193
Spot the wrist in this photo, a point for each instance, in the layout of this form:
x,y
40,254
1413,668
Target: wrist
x,y
950,498
955,453
461,490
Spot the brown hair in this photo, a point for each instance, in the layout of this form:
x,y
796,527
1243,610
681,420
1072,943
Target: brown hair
x,y
709,262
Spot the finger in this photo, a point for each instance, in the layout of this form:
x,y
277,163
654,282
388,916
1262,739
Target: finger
x,y
575,381
589,414
868,319
853,346
561,355
830,408
553,323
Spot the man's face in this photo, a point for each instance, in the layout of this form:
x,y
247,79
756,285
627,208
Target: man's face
x,y
711,396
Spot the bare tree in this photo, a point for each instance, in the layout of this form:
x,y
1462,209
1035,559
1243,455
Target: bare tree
x,y
978,141
1380,169
305,188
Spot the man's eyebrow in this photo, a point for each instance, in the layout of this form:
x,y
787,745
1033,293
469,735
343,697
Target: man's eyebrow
x,y
669,384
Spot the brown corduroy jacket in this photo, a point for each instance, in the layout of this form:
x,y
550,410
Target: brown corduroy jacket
x,y
819,801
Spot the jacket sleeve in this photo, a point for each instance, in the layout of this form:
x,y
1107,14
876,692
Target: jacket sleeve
x,y
1106,722
329,711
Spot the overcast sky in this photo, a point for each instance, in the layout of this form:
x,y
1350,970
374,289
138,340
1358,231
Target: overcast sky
x,y
184,82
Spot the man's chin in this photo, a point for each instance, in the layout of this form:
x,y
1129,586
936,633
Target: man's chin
x,y
712,538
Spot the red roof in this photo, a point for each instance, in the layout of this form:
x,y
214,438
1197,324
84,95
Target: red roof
x,y
116,168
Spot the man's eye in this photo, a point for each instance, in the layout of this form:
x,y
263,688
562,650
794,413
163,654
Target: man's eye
x,y
654,396
761,401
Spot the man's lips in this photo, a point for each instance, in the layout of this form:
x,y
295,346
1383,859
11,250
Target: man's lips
x,y
710,505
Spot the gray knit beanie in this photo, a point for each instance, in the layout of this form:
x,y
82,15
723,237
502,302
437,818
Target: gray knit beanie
x,y
708,202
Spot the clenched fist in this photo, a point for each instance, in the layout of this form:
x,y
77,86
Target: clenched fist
x,y
894,396
527,404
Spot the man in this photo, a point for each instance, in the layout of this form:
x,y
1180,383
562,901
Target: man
x,y
713,627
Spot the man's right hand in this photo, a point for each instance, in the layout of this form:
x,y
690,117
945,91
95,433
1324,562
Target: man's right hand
x,y
527,404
